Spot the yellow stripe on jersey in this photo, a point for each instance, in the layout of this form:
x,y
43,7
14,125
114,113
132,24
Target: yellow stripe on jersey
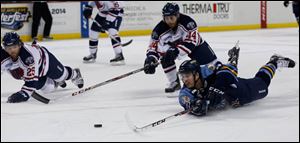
x,y
269,69
231,70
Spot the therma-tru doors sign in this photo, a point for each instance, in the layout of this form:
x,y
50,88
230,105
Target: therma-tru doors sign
x,y
217,10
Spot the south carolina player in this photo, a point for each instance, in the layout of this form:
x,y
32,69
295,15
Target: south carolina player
x,y
108,19
8,66
176,36
36,66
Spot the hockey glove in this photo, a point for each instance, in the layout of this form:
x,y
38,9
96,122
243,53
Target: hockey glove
x,y
149,66
18,97
200,107
216,98
171,55
87,12
286,3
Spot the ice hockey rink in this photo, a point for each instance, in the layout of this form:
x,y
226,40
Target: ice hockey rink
x,y
142,97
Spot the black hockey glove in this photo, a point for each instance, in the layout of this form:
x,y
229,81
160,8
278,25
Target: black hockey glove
x,y
87,12
150,65
286,3
200,107
216,98
171,55
18,97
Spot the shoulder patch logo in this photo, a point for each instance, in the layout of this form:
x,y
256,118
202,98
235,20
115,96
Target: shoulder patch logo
x,y
29,60
191,25
154,35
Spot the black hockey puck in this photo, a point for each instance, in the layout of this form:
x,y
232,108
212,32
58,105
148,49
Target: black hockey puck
x,y
98,125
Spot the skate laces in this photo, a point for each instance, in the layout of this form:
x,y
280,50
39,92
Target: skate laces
x,y
172,84
76,78
91,56
282,63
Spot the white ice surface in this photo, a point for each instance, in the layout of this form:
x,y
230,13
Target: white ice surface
x,y
274,118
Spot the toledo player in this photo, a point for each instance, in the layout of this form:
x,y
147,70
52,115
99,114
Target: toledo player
x,y
108,19
224,86
174,37
36,66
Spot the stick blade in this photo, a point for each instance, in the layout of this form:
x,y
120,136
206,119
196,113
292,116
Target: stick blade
x,y
40,98
127,43
130,124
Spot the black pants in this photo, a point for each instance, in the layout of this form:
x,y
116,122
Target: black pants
x,y
103,24
41,10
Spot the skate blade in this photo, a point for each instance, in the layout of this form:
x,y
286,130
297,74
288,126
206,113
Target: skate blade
x,y
89,62
119,63
173,95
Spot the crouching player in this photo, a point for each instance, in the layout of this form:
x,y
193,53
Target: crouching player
x,y
175,37
34,64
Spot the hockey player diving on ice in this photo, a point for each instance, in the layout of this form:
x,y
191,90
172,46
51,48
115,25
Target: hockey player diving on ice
x,y
34,64
174,37
202,93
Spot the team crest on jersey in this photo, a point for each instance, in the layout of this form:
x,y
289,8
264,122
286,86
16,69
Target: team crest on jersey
x,y
29,61
154,35
186,100
191,25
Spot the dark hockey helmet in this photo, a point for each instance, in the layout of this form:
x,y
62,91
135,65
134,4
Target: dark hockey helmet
x,y
10,39
189,66
170,9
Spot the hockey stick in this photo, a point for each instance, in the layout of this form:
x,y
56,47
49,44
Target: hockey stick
x,y
154,124
122,44
47,101
40,98
111,80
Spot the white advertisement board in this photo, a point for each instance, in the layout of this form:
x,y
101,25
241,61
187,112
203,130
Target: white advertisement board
x,y
66,17
18,17
144,15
